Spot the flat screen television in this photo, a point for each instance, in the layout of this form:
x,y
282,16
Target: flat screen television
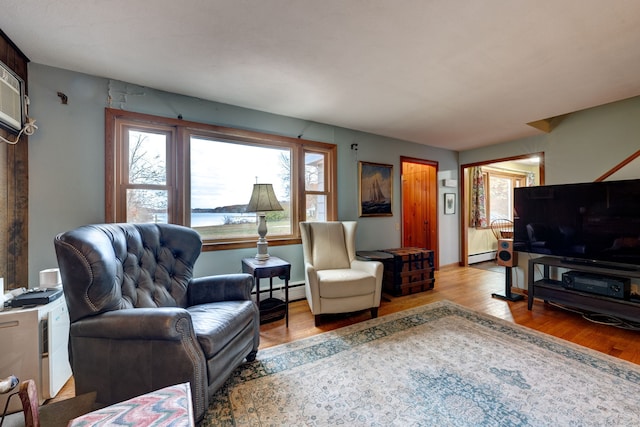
x,y
596,222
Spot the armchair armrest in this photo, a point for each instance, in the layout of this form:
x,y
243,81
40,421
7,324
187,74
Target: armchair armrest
x,y
165,323
311,273
312,291
122,353
372,267
224,287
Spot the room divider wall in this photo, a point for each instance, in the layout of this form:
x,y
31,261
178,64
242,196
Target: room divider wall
x,y
14,187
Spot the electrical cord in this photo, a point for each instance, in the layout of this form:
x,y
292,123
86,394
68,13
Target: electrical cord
x,y
601,319
604,319
28,129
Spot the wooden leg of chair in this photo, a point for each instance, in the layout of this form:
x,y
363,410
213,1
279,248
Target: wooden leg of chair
x,y
374,312
317,320
29,397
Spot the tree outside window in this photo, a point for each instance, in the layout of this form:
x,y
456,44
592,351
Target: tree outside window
x,y
147,195
175,171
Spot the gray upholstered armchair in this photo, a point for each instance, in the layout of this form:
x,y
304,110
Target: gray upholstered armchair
x,y
140,322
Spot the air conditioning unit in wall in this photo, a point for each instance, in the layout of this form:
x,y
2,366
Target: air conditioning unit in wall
x,y
12,100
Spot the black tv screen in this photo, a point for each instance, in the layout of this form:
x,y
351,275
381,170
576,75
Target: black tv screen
x,y
597,221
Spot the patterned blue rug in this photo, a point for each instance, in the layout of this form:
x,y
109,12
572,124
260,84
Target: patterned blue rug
x,y
439,364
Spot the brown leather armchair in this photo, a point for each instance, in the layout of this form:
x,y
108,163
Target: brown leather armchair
x,y
140,322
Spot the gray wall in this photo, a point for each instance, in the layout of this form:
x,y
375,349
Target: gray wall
x,y
66,159
585,146
582,148
66,164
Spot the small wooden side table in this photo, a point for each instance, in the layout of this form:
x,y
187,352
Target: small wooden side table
x,y
270,267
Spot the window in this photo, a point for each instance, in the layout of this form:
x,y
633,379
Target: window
x,y
500,185
145,190
201,176
315,188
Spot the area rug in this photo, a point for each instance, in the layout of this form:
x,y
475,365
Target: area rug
x,y
435,365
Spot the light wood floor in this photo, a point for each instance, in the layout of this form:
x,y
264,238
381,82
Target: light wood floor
x,y
472,288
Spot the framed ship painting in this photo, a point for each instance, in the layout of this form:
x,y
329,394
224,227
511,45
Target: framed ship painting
x,y
375,189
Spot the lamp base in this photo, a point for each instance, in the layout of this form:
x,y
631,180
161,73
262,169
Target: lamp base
x,y
263,251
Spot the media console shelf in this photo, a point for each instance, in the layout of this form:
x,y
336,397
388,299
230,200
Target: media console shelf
x,y
551,290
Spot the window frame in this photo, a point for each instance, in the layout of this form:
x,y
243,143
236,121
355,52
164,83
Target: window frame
x,y
513,176
178,169
329,175
122,168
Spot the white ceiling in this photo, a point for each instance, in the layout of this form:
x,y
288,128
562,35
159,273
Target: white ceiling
x,y
446,73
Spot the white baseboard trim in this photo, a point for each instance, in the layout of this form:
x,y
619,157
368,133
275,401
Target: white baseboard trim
x,y
485,256
296,290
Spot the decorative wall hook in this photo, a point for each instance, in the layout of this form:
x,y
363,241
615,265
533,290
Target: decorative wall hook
x,y
63,98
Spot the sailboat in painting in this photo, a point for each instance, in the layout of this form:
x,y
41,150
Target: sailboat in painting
x,y
375,193
374,201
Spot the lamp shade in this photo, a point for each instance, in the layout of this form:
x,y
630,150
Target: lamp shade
x,y
263,199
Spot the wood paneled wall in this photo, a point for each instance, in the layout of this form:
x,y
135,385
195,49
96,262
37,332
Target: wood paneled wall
x,y
14,187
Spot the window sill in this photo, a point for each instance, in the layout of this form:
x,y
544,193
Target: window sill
x,y
225,246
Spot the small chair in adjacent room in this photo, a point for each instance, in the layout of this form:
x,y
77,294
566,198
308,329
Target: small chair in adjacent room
x,y
141,322
335,281
502,228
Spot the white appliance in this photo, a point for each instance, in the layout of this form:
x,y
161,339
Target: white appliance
x,y
33,345
11,99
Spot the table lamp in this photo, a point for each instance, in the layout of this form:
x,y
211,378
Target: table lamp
x,y
263,199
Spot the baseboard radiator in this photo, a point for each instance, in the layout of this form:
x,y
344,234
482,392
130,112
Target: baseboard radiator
x,y
481,257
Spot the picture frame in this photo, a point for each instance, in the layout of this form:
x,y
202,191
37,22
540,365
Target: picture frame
x,y
375,189
12,100
449,203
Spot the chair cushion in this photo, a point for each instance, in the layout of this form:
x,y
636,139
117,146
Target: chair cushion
x,y
216,324
329,248
344,283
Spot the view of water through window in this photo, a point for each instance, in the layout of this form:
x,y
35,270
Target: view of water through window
x,y
222,178
202,176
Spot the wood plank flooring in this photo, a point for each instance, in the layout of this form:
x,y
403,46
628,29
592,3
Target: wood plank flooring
x,y
472,288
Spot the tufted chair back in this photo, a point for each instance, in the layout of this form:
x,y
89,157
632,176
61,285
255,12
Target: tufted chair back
x,y
117,266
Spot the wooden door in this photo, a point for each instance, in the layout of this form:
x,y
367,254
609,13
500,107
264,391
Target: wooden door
x,y
419,205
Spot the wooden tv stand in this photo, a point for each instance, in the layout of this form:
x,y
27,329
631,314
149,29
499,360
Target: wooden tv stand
x,y
551,290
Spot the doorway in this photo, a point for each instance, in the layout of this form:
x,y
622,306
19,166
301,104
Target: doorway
x,y
420,204
478,242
